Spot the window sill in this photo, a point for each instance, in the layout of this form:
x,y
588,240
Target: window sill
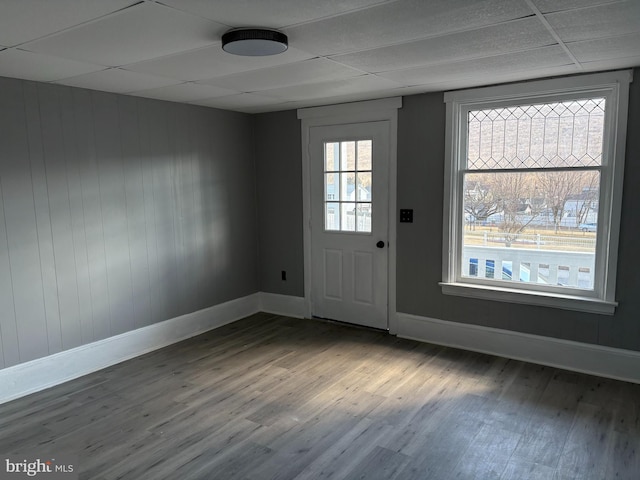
x,y
509,295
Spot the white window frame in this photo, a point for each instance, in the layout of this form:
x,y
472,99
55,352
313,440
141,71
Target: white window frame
x,y
614,86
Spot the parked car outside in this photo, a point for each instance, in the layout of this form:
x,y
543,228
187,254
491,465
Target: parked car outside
x,y
588,227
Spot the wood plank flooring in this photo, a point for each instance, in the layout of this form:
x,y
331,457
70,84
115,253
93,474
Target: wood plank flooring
x,y
271,397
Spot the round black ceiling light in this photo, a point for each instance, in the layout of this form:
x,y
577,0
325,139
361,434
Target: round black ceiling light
x,y
254,42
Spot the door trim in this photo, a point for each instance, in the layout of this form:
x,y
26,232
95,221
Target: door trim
x,y
357,112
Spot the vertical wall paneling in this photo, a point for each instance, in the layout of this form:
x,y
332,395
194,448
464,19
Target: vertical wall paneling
x,y
115,214
207,206
200,256
3,298
234,201
146,140
136,222
76,336
8,331
178,146
43,218
114,210
189,221
20,221
165,197
55,158
218,214
99,322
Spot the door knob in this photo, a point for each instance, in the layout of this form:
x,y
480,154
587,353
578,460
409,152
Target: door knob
x,y
380,244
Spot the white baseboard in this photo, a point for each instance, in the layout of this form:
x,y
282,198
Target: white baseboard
x,y
580,357
30,377
36,375
282,305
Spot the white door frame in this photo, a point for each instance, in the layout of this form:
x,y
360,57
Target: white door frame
x,y
358,112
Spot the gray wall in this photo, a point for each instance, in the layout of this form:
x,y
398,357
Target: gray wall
x,y
279,173
420,186
115,213
118,212
421,131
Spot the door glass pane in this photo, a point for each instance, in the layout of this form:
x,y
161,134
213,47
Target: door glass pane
x,y
348,217
348,186
348,156
331,191
363,192
332,216
364,155
331,155
363,217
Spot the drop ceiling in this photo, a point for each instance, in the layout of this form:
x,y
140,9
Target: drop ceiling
x,y
340,50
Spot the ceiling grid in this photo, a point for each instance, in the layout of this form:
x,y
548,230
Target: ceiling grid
x,y
339,50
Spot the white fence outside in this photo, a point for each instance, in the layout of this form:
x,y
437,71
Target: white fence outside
x,y
573,269
332,221
535,240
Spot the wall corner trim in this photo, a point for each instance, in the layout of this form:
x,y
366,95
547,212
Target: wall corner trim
x,y
33,376
598,360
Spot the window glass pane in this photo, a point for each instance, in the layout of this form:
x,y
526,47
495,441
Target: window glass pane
x,y
347,155
331,156
348,217
363,217
537,227
364,155
551,135
363,192
332,216
331,190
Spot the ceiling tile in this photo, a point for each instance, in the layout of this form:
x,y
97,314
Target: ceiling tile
x,y
24,20
117,81
508,37
605,48
401,21
308,71
273,14
267,108
333,88
547,6
348,98
185,92
43,68
172,52
611,63
209,62
496,66
604,21
239,102
139,33
486,80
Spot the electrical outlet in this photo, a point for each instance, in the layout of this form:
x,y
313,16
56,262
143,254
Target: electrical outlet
x,y
284,275
406,215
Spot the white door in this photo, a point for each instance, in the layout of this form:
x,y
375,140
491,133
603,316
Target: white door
x,y
349,222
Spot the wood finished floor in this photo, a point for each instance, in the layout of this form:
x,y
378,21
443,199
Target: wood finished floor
x,y
277,398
